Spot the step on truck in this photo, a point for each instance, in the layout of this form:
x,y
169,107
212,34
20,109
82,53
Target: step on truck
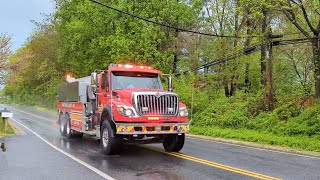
x,y
125,104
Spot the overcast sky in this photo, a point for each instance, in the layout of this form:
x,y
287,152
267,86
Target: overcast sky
x,y
16,16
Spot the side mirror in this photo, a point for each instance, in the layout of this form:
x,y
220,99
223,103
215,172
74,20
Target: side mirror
x,y
94,78
170,85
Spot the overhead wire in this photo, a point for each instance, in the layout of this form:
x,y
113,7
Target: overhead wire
x,y
252,49
169,26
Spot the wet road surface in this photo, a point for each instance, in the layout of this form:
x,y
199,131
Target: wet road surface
x,y
199,159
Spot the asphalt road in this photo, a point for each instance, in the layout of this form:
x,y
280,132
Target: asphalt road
x,y
47,155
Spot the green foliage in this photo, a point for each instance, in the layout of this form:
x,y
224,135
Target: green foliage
x,y
296,142
244,117
95,36
35,69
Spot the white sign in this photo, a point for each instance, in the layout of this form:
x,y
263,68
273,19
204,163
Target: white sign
x,y
7,114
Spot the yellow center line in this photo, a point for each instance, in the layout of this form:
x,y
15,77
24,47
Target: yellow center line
x,y
213,164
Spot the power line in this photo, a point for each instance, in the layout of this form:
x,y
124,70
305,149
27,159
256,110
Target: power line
x,y
166,25
250,50
294,41
245,51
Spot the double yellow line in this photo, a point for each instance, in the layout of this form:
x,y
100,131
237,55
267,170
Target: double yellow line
x,y
213,164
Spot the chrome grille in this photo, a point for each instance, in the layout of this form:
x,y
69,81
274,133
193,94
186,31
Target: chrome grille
x,y
156,104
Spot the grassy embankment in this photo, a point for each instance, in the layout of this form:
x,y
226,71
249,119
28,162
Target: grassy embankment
x,y
294,142
9,131
294,123
287,126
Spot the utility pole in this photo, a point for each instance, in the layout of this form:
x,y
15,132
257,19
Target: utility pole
x,y
263,67
269,57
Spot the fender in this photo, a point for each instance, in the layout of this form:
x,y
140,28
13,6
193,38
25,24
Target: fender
x,y
107,115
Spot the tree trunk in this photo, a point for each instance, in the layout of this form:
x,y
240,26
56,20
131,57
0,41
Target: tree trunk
x,y
264,51
270,79
233,86
316,61
246,79
246,45
175,62
226,88
175,57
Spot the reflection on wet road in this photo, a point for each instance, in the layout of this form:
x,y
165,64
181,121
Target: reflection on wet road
x,y
198,159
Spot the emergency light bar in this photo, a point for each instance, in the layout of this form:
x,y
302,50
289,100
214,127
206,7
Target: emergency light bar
x,y
129,66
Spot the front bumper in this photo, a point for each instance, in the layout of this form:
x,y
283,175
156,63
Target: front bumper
x,y
151,128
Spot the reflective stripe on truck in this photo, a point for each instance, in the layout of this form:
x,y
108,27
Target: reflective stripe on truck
x,y
145,128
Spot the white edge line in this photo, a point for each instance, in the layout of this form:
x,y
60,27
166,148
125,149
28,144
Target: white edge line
x,y
261,149
102,174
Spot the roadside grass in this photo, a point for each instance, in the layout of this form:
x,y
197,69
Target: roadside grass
x,y
48,110
9,131
44,109
295,142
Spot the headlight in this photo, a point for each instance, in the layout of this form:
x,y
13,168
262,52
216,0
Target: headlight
x,y
183,112
125,111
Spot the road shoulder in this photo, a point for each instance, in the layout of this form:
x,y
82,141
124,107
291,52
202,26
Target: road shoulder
x,y
255,145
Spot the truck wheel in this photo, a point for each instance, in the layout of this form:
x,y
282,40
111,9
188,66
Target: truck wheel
x,y
69,132
62,123
174,142
108,139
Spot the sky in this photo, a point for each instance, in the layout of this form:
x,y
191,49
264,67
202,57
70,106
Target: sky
x,y
16,16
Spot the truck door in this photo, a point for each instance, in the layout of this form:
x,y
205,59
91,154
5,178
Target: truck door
x,y
104,90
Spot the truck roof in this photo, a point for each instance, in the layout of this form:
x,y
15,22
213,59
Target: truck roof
x,y
134,68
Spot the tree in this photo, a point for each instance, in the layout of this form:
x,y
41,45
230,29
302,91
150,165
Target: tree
x,y
4,53
4,47
35,70
305,16
95,36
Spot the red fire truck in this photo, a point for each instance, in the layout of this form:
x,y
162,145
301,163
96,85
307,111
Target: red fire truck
x,y
124,104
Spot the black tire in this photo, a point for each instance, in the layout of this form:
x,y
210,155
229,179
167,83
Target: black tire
x,y
62,124
69,131
108,140
174,143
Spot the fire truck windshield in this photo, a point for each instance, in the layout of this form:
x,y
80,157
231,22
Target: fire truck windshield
x,y
125,80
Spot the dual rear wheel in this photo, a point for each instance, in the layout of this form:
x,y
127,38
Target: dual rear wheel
x,y
65,127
